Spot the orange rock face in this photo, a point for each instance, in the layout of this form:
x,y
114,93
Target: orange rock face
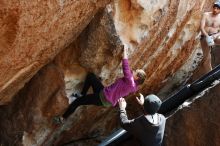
x,y
47,48
33,33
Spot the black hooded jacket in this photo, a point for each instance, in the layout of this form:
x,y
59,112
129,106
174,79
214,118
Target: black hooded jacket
x,y
147,133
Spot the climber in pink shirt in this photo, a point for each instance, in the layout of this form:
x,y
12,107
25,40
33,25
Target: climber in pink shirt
x,y
107,96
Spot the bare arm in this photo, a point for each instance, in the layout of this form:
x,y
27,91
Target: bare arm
x,y
125,65
202,27
125,53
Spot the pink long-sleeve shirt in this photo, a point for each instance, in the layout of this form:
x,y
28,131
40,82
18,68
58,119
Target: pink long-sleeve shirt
x,y
122,86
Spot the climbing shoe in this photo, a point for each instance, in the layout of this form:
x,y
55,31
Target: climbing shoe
x,y
77,95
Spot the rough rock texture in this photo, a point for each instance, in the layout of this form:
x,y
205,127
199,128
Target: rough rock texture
x,y
28,115
171,28
199,123
162,36
33,33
